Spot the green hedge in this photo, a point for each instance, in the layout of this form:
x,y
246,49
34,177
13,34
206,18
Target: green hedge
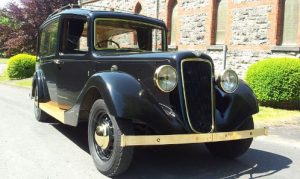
x,y
276,82
21,66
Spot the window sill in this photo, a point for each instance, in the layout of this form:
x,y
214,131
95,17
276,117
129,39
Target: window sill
x,y
286,48
172,47
215,48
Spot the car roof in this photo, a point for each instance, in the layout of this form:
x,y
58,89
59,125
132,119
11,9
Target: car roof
x,y
106,14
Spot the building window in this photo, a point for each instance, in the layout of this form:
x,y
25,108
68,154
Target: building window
x,y
172,21
138,8
221,21
290,22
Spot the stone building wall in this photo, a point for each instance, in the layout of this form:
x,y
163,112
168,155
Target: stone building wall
x,y
252,31
193,4
250,25
193,29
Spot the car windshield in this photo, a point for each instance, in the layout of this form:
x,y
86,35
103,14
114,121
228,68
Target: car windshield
x,y
127,36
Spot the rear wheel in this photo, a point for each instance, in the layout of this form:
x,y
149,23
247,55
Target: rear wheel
x,y
39,114
234,148
104,137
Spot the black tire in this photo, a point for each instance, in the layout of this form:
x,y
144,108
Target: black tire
x,y
39,114
235,148
115,159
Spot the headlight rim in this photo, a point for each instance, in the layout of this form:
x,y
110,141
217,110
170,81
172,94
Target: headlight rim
x,y
156,79
221,84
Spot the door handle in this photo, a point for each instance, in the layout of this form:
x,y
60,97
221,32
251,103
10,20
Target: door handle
x,y
58,62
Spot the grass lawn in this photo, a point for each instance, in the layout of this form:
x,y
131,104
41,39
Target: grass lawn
x,y
3,60
276,117
22,83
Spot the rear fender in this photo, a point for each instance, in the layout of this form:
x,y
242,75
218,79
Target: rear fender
x,y
38,80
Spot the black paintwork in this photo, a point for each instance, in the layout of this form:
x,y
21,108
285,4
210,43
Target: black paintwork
x,y
130,91
231,109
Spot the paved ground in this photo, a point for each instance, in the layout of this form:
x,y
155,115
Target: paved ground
x,y
29,149
2,67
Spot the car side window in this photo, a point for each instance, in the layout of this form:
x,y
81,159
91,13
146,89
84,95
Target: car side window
x,y
74,39
48,39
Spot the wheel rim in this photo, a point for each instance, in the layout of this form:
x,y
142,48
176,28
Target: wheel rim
x,y
104,137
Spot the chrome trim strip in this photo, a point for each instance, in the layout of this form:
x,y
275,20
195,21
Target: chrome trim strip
x,y
184,94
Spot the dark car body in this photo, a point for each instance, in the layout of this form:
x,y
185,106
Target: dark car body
x,y
113,70
125,82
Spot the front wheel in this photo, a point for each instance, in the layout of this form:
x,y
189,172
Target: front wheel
x,y
104,137
234,148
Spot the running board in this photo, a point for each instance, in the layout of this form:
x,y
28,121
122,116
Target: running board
x,y
53,110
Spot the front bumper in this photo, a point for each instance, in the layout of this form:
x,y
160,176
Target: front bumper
x,y
190,138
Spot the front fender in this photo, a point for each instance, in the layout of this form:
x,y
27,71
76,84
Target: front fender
x,y
232,109
126,97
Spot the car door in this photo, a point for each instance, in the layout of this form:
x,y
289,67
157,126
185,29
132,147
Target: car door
x,y
47,55
74,64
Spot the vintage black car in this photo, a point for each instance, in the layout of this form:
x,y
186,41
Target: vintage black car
x,y
113,70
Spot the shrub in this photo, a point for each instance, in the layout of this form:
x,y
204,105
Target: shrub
x,y
21,66
276,82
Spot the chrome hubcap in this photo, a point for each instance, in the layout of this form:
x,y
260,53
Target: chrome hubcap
x,y
102,135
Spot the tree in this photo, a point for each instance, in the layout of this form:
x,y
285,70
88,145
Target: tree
x,y
20,34
6,25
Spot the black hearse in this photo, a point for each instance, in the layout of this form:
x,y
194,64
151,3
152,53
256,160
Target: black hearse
x,y
113,70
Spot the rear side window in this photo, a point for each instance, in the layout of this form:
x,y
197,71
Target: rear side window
x,y
48,39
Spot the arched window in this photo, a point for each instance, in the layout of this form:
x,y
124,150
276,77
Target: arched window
x,y
221,21
290,22
138,8
172,21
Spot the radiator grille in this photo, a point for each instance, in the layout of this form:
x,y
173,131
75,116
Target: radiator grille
x,y
197,85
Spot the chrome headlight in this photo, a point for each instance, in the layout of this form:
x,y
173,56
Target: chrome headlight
x,y
165,78
228,81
